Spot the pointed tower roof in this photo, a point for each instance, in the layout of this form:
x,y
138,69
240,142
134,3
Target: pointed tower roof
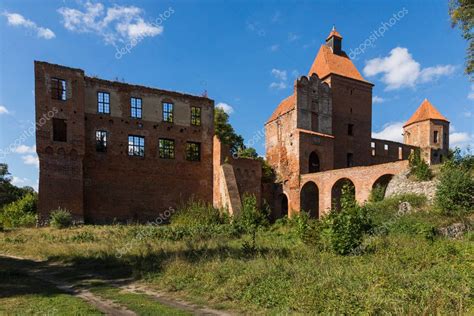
x,y
426,111
326,63
334,33
331,59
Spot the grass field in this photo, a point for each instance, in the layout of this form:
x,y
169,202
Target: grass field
x,y
407,270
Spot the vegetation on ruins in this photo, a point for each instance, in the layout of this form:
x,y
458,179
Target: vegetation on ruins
x,y
60,218
455,191
419,168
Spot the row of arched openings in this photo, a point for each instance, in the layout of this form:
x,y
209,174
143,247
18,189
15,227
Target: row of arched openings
x,y
309,195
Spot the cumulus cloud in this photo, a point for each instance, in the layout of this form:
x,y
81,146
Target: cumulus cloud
x,y
23,149
18,20
30,160
391,131
278,85
281,76
376,99
400,70
3,110
461,139
115,24
226,107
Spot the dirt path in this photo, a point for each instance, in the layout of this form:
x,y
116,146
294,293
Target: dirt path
x,y
47,272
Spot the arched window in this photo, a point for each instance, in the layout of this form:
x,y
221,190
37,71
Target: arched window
x,y
309,199
314,165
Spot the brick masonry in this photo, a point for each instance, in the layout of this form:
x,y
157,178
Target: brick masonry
x,y
103,186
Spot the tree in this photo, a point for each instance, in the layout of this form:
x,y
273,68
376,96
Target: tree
x,y
227,135
462,16
225,132
8,192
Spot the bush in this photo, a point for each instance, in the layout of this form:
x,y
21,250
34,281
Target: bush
x,y
377,194
455,191
348,226
61,218
251,216
196,213
21,213
418,167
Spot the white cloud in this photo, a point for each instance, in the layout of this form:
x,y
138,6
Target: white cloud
x,y
467,114
19,181
461,139
400,70
3,110
391,131
278,85
376,99
274,47
432,73
30,160
292,37
279,74
115,24
18,20
227,108
471,93
23,149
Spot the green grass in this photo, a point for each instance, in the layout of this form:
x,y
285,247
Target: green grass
x,y
142,304
23,295
403,271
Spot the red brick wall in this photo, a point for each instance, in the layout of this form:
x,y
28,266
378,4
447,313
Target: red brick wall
x,y
61,163
396,151
113,185
352,104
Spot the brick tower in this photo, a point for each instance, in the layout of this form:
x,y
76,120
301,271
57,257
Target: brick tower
x,y
428,129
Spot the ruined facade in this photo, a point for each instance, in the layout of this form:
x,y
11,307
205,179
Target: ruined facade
x,y
319,138
118,151
115,151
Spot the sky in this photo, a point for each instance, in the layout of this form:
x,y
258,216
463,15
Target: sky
x,y
245,54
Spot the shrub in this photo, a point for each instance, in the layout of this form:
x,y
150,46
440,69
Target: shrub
x,y
196,213
418,167
377,194
251,216
455,191
61,218
21,213
348,226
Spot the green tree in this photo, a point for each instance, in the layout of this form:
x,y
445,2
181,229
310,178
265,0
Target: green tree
x,y
455,191
462,16
8,192
225,132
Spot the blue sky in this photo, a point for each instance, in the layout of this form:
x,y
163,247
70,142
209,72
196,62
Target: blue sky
x,y
246,54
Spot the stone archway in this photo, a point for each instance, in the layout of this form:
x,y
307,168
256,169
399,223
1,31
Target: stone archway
x,y
382,183
336,191
313,163
309,199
